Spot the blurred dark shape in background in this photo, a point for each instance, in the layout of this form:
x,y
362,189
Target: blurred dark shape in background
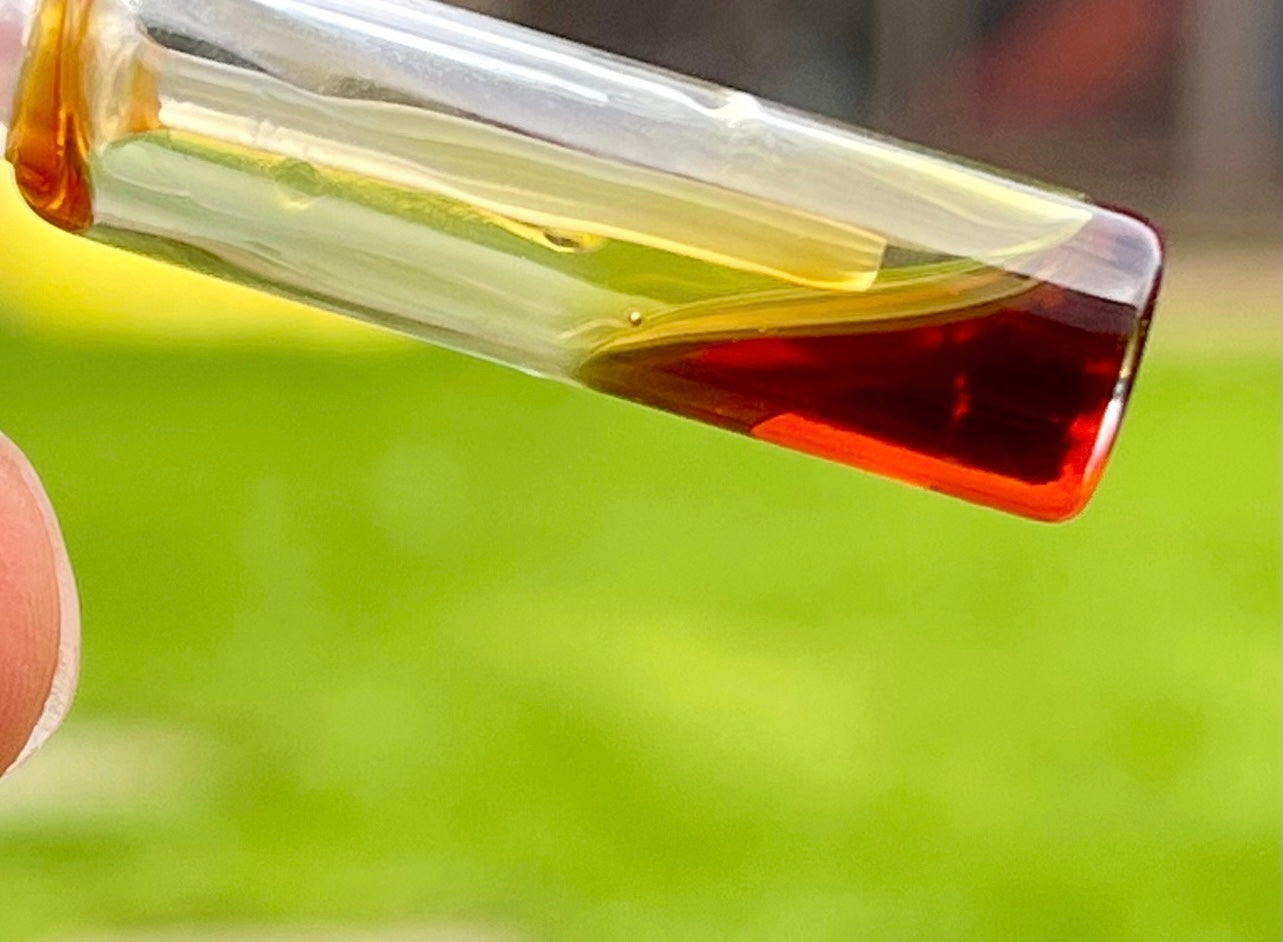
x,y
1170,106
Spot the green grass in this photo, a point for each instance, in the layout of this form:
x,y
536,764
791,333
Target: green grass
x,y
463,645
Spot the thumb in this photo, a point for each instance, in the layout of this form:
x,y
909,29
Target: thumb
x,y
39,614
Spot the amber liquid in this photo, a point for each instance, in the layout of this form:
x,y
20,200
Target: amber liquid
x,y
1004,404
47,139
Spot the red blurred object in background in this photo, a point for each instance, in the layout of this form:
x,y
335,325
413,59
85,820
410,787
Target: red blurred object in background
x,y
1049,62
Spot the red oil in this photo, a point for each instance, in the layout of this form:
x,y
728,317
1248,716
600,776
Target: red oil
x,y
1012,404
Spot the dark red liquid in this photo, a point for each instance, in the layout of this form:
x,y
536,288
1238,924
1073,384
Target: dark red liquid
x,y
1007,404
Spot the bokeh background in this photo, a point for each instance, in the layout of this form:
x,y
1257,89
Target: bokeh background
x,y
386,643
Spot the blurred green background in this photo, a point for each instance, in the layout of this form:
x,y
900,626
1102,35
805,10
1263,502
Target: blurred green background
x,y
380,636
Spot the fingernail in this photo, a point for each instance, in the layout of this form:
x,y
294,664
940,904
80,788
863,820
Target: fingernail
x,y
66,673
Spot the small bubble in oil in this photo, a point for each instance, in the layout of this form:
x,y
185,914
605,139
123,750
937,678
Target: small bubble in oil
x,y
298,184
635,318
569,243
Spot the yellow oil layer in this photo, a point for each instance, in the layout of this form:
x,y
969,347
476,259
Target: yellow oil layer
x,y
924,300
524,184
465,233
453,258
532,188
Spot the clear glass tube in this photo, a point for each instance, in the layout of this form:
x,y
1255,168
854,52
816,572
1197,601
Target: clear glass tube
x,y
588,218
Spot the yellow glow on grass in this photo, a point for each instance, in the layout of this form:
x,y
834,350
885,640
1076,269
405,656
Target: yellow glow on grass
x,y
51,281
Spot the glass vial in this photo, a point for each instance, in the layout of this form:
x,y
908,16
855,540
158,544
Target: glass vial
x,y
599,221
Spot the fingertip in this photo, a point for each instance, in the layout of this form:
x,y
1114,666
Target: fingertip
x,y
39,613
